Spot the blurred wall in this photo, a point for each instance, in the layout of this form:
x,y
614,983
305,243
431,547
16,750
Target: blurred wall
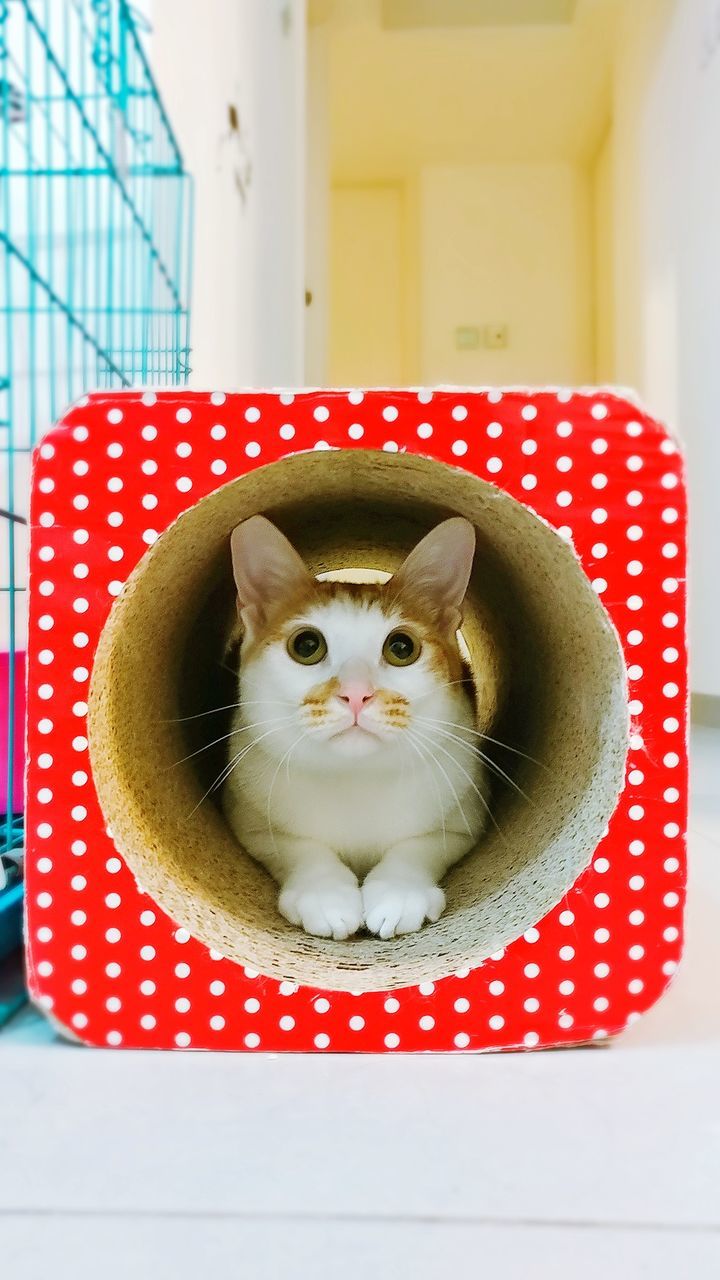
x,y
603,260
233,78
667,263
507,244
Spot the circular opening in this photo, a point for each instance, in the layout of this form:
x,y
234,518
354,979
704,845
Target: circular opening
x,y
160,660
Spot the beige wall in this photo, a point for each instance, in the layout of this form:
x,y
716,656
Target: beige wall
x,y
367,311
507,244
603,262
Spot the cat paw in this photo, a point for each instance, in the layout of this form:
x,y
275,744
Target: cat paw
x,y
393,907
329,910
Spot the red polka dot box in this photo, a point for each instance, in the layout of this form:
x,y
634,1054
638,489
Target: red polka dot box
x,y
147,925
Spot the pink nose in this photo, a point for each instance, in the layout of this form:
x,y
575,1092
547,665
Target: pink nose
x,y
356,696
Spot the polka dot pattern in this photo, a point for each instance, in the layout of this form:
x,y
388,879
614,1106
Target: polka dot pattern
x,y
107,960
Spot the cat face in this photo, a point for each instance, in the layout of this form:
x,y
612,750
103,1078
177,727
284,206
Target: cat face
x,y
341,671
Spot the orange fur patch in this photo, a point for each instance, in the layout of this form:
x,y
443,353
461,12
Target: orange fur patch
x,y
439,644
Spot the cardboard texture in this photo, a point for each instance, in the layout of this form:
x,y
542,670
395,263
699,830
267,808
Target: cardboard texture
x,y
563,924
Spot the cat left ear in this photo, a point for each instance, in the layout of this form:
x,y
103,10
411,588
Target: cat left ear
x,y
435,575
267,570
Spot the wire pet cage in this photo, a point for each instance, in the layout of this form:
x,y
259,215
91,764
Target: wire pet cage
x,y
95,225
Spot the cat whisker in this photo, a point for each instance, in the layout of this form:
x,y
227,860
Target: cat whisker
x,y
446,685
491,764
444,772
423,758
231,706
224,737
473,784
477,734
279,766
228,768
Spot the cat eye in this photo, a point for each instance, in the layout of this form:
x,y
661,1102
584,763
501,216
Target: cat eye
x,y
307,645
401,648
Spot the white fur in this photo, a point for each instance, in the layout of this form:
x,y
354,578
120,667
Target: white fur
x,y
357,828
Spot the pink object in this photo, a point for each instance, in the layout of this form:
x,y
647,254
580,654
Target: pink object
x,y
17,729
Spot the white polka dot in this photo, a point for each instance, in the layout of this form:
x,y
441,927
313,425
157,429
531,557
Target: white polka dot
x,y
425,430
531,970
182,1039
391,1005
531,1038
356,431
462,1039
496,1022
357,397
321,414
390,446
322,1040
494,465
218,432
459,448
532,935
389,413
287,431
566,953
426,1023
252,1040
494,429
252,414
565,1020
252,449
182,1004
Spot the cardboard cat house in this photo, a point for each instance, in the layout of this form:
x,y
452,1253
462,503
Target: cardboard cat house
x,y
147,925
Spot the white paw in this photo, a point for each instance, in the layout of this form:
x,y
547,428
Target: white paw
x,y
393,906
330,907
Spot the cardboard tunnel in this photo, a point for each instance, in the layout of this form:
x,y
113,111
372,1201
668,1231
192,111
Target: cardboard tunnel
x,y
147,924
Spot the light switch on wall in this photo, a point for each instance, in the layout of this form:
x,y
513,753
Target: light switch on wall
x,y
467,337
496,336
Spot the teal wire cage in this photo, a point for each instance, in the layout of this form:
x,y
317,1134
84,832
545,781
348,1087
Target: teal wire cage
x,y
95,228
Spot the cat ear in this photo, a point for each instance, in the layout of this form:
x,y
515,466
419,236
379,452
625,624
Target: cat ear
x,y
267,570
435,575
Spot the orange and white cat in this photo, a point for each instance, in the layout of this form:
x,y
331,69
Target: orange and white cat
x,y
353,775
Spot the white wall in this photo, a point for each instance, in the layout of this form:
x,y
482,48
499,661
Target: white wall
x,y
317,194
667,278
510,244
247,323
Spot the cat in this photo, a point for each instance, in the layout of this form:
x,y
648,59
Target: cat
x,y
353,777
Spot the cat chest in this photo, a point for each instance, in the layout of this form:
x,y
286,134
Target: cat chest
x,y
356,816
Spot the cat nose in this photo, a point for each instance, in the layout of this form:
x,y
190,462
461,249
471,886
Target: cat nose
x,y
356,696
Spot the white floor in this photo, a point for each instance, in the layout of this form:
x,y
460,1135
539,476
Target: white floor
x,y
579,1164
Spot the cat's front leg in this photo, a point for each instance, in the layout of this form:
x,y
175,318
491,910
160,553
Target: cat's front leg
x,y
317,891
402,891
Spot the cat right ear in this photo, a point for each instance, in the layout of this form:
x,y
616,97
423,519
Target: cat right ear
x,y
267,570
